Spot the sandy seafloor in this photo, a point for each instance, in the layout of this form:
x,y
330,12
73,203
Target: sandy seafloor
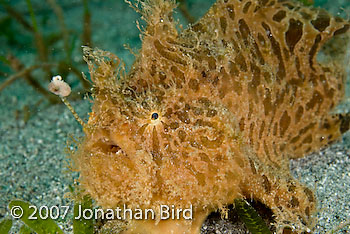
x,y
33,162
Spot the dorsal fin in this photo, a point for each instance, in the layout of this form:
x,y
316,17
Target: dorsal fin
x,y
158,16
159,47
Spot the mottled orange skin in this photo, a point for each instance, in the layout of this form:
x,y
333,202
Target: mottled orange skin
x,y
237,95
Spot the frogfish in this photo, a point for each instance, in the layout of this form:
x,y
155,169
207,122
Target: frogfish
x,y
214,112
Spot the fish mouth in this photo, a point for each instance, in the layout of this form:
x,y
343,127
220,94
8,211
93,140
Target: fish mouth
x,y
114,148
103,142
112,143
107,147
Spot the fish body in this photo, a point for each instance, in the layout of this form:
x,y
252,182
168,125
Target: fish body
x,y
214,112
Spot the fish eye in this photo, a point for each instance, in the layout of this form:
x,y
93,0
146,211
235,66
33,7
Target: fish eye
x,y
154,116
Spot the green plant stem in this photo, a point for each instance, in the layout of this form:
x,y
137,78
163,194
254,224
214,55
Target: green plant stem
x,y
17,66
59,13
185,12
16,15
86,37
83,226
39,225
250,217
5,226
32,15
39,40
20,74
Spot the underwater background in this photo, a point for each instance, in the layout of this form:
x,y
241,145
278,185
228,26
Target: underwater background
x,y
39,39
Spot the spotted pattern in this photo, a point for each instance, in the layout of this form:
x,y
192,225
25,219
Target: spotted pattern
x,y
236,95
